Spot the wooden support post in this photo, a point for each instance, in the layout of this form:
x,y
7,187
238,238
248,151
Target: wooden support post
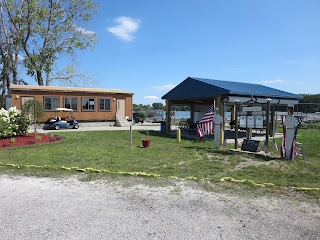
x,y
232,117
220,105
273,122
233,112
168,116
192,111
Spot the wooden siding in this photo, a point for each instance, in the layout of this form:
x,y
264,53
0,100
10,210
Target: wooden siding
x,y
81,115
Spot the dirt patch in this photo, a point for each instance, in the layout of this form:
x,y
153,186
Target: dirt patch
x,y
251,162
28,139
43,208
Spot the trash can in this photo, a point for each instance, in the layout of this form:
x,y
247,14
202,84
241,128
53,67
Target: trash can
x,y
163,127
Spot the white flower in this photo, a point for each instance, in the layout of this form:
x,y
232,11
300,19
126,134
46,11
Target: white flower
x,y
12,109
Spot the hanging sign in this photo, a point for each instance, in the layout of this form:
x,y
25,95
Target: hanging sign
x,y
243,121
252,109
259,121
250,122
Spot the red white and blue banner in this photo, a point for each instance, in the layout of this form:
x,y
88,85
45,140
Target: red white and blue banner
x,y
293,153
205,126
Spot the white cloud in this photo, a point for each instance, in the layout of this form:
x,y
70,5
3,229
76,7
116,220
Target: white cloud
x,y
290,61
151,97
281,81
85,31
20,57
272,81
125,28
165,87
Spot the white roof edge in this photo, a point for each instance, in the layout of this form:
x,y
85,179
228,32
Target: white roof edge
x,y
68,89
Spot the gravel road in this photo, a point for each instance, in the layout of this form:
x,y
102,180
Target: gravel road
x,y
44,208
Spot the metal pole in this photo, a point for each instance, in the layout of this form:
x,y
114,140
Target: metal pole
x,y
267,121
130,135
236,125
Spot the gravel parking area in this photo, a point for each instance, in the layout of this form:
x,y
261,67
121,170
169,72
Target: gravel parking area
x,y
44,208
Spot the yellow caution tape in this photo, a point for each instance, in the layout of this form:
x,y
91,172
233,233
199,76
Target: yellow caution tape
x,y
223,179
229,179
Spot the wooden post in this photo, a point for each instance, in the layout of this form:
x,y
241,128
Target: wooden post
x,y
267,121
220,105
273,122
192,111
168,116
233,108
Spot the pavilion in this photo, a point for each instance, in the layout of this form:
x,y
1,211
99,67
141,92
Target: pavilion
x,y
200,93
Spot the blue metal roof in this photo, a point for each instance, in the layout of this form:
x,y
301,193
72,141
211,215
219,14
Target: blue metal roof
x,y
206,88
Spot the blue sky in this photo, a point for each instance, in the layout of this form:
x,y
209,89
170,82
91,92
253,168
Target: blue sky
x,y
149,46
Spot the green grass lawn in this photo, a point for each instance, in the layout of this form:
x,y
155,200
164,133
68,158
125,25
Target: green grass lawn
x,y
166,157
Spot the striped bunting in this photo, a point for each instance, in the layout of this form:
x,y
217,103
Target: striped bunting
x,y
205,125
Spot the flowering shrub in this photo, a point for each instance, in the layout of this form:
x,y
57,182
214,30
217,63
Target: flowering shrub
x,y
13,122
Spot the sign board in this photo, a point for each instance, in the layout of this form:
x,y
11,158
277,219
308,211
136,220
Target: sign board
x,y
243,121
250,122
250,145
252,109
259,121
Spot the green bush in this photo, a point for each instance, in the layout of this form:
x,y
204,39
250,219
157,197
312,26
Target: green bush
x,y
314,125
13,122
2,104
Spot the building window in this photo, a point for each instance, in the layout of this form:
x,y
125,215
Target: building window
x,y
104,104
88,104
71,103
51,103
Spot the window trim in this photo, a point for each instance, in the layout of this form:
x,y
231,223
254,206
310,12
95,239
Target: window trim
x,y
103,110
64,103
82,110
44,103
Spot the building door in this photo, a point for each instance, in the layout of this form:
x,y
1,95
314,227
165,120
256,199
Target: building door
x,y
121,108
24,99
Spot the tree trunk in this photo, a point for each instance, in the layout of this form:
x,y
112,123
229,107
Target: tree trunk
x,y
14,67
5,78
48,79
39,78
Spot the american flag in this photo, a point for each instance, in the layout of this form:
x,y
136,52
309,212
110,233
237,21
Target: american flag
x,y
275,146
205,125
283,144
225,142
265,147
293,153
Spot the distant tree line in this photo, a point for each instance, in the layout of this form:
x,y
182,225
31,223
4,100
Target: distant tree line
x,y
149,110
309,104
158,106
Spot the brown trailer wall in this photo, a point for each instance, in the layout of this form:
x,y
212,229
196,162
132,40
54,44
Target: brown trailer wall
x,y
80,114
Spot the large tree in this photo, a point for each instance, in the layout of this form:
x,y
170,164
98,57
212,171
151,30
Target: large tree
x,y
45,30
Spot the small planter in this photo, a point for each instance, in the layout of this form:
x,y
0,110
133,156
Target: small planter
x,y
146,143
